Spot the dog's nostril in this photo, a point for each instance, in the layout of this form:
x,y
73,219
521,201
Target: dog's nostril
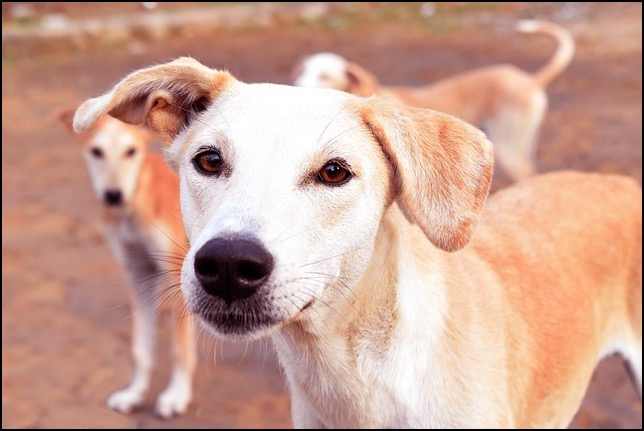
x,y
113,197
251,272
206,268
232,268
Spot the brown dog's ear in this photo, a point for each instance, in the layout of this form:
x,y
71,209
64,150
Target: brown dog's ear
x,y
361,82
167,96
442,168
66,116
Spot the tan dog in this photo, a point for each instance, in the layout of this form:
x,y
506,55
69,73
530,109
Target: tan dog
x,y
332,230
506,102
143,225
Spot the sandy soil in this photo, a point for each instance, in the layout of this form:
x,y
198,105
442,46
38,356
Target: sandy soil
x,y
65,315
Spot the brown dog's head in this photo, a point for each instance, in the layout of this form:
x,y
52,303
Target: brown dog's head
x,y
283,189
114,152
329,70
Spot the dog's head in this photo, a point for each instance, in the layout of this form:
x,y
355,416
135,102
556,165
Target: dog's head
x,y
114,152
283,189
329,70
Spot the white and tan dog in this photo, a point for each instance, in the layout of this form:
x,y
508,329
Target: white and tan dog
x,y
508,103
346,229
143,226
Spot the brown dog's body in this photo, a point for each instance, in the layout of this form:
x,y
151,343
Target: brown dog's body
x,y
354,241
143,226
508,103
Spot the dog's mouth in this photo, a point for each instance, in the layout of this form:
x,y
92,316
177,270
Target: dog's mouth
x,y
247,319
235,324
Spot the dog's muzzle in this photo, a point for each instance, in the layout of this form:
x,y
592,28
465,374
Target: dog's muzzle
x,y
232,269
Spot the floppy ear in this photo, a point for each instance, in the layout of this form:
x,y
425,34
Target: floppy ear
x,y
66,116
442,168
167,96
361,82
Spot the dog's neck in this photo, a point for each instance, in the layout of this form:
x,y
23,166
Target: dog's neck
x,y
328,347
321,349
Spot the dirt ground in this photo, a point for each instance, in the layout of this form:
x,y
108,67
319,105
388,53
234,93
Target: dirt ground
x,y
65,315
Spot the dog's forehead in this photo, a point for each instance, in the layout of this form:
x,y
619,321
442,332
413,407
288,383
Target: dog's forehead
x,y
264,110
111,133
325,62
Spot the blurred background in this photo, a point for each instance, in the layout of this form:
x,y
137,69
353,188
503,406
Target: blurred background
x,y
65,313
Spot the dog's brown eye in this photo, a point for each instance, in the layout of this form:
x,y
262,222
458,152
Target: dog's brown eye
x,y
333,173
131,152
96,152
209,162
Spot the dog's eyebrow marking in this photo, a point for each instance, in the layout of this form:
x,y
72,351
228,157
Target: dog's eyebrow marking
x,y
342,108
336,137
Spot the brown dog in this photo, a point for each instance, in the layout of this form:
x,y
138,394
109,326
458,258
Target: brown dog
x,y
139,193
346,229
506,102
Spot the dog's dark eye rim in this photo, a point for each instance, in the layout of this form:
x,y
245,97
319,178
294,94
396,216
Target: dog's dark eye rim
x,y
130,152
208,162
334,173
97,152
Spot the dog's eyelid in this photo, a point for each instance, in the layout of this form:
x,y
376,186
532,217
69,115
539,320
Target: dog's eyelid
x,y
205,148
340,161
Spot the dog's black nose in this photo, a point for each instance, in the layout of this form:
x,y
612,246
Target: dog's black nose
x,y
113,197
232,268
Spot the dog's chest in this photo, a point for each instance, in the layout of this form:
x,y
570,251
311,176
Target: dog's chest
x,y
133,244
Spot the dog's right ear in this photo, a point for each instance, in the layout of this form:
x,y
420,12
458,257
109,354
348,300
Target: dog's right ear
x,y
361,82
167,97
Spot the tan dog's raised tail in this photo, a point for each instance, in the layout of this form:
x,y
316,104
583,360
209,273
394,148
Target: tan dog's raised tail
x,y
508,103
350,231
143,226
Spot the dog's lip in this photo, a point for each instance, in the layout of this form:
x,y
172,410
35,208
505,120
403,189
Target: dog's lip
x,y
236,324
244,324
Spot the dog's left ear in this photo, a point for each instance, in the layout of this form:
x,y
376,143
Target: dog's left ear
x,y
361,81
167,97
442,168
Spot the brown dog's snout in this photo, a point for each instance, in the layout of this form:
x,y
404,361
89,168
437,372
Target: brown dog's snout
x,y
232,269
113,197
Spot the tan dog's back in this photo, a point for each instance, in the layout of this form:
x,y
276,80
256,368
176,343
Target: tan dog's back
x,y
472,96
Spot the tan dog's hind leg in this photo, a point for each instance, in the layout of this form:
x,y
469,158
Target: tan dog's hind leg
x,y
514,134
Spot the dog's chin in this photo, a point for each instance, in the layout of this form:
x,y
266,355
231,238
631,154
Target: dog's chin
x,y
238,326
